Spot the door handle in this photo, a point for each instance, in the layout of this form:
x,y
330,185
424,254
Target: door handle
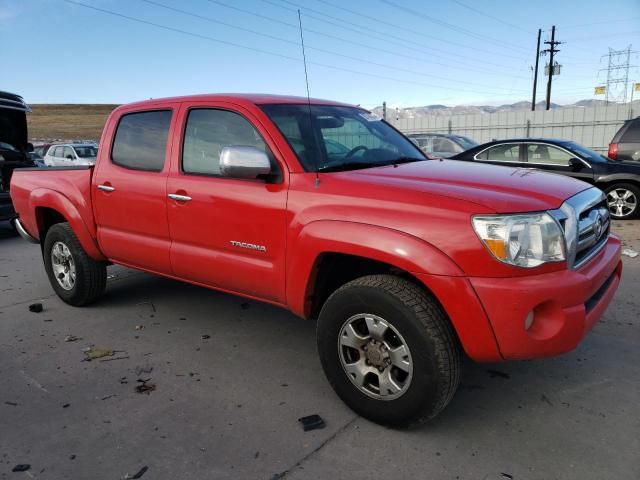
x,y
179,198
106,188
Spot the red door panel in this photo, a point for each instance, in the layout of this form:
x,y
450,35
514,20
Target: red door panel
x,y
231,233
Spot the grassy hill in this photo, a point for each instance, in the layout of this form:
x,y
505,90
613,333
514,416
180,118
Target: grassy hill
x,y
67,121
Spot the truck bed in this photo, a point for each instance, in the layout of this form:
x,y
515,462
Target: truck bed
x,y
33,187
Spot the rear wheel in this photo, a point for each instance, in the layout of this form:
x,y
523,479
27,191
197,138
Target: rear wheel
x,y
623,199
388,350
76,278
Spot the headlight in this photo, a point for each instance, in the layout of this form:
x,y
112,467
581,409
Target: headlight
x,y
523,240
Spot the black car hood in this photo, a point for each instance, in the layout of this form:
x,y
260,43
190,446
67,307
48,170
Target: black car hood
x,y
13,128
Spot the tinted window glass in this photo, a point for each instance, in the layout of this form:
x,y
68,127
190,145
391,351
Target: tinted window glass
x,y
501,153
208,132
67,153
632,135
444,145
538,153
141,140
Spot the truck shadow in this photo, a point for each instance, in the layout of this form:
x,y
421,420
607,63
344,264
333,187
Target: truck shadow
x,y
488,393
7,231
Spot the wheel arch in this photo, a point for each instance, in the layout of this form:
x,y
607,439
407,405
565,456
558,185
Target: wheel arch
x,y
50,207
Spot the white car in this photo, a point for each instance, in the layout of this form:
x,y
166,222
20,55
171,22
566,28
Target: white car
x,y
71,155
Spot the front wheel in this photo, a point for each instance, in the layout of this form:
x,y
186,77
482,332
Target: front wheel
x,y
76,278
388,350
623,199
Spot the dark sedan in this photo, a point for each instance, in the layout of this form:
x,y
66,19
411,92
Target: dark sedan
x,y
619,180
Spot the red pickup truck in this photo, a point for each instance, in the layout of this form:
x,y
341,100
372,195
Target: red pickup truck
x,y
326,210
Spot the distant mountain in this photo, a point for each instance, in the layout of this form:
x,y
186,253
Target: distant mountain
x,y
417,112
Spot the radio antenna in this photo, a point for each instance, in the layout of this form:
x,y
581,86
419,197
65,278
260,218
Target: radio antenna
x,y
306,79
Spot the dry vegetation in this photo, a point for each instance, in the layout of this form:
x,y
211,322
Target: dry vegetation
x,y
67,122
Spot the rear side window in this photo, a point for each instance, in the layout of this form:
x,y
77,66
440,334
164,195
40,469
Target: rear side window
x,y
208,131
501,153
632,134
141,140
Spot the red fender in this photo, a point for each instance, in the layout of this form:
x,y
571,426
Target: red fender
x,y
52,199
386,245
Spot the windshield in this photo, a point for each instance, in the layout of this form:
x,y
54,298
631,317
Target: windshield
x,y
334,138
86,151
585,152
465,142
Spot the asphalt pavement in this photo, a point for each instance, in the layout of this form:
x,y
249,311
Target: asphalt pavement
x,y
228,378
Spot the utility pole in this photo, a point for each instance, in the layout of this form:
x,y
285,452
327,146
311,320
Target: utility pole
x,y
552,50
535,73
384,110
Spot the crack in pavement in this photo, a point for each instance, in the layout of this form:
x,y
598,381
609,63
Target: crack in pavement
x,y
289,470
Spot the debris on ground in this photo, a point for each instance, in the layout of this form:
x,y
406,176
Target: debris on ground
x,y
498,373
115,358
72,457
35,307
312,422
71,338
205,337
94,353
13,404
545,399
143,369
109,277
140,473
139,327
507,475
630,252
22,467
123,380
145,387
66,405
109,396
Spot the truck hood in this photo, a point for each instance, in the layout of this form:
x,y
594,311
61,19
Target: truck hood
x,y
501,189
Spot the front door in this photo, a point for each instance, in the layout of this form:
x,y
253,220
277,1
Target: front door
x,y
555,159
129,191
227,233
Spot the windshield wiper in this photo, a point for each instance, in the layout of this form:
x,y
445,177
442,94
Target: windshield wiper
x,y
401,160
349,166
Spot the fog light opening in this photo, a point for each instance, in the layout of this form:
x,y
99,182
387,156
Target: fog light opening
x,y
528,321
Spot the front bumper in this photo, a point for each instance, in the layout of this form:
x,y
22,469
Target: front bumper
x,y
565,305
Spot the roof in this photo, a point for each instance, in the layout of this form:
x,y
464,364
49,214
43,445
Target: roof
x,y
246,98
13,102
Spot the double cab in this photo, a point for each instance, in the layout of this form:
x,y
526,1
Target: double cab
x,y
326,210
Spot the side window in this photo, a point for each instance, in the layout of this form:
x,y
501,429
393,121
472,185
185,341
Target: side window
x,y
632,134
538,153
68,152
501,153
141,140
207,132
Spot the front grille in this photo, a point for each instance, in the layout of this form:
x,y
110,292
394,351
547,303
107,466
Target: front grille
x,y
585,221
593,230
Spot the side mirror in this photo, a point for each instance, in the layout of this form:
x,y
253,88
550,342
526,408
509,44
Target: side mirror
x,y
243,161
576,163
29,147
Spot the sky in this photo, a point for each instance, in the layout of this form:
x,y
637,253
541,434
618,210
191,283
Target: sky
x,y
404,52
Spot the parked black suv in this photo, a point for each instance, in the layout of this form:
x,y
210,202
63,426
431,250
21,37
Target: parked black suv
x,y
626,143
13,146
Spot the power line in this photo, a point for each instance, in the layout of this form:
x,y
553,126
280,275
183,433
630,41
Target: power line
x,y
267,52
450,26
484,14
366,31
329,52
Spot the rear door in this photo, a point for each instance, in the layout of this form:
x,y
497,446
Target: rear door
x,y
555,159
629,142
130,192
507,154
228,233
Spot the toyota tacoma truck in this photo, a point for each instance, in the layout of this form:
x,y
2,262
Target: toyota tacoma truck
x,y
326,210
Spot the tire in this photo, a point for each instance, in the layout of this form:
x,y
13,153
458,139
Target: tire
x,y
623,200
90,278
408,316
